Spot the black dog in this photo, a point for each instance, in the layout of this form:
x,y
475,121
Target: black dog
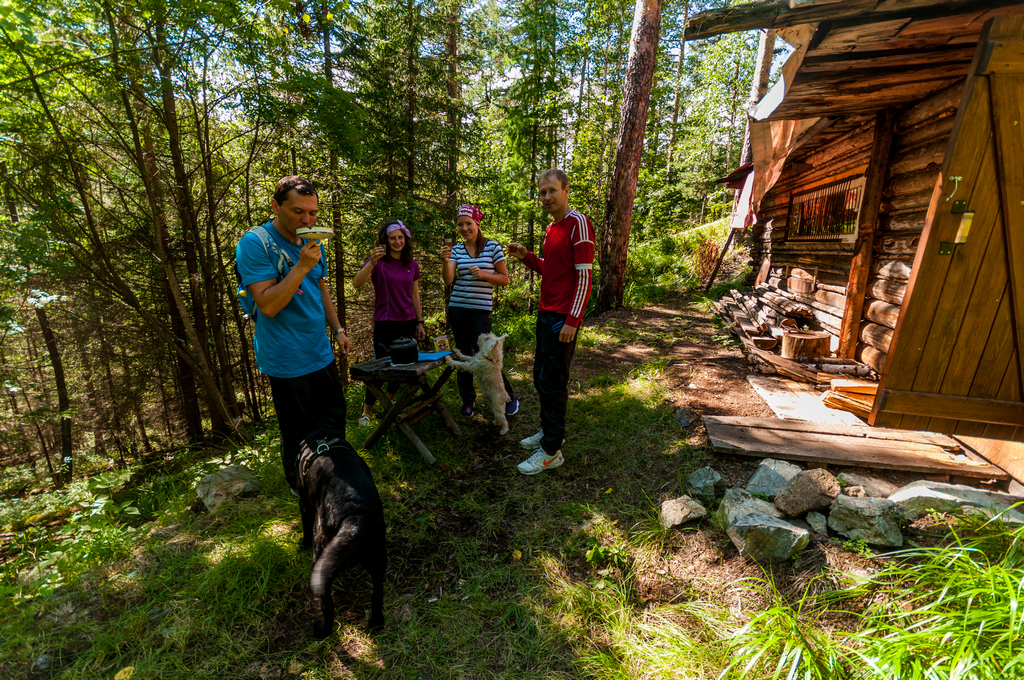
x,y
342,520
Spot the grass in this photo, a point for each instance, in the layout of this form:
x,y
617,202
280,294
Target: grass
x,y
492,574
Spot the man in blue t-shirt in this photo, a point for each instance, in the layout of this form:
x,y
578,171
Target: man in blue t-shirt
x,y
292,347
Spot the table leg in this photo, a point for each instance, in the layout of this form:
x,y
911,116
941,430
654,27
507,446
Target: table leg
x,y
417,443
439,407
393,410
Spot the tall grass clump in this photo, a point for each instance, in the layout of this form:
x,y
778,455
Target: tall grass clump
x,y
787,640
951,612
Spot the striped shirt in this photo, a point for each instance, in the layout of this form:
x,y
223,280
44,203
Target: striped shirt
x,y
470,292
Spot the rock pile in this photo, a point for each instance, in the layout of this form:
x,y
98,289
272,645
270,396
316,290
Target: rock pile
x,y
784,506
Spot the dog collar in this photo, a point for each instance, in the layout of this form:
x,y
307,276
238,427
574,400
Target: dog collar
x,y
322,446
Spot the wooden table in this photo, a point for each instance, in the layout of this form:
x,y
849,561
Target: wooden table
x,y
415,402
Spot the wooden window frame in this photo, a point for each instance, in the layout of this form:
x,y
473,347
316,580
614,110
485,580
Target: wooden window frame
x,y
837,224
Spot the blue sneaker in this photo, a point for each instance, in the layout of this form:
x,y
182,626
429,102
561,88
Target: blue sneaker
x,y
512,407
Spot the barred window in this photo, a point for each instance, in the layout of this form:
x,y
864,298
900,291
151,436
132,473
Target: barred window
x,y
828,213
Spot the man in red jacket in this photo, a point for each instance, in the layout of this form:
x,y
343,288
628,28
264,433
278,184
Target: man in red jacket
x,y
565,284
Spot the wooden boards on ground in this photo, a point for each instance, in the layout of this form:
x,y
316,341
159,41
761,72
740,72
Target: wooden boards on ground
x,y
1007,455
868,447
788,399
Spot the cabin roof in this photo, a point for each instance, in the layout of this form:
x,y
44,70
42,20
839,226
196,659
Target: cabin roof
x,y
864,55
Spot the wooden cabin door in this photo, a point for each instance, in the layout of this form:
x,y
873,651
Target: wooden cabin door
x,y
955,363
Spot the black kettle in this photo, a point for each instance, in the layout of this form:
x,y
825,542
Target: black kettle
x,y
404,351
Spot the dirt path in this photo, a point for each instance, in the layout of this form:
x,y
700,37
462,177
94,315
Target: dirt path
x,y
706,372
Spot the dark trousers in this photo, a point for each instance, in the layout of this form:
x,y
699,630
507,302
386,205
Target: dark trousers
x,y
385,333
302,405
551,364
467,325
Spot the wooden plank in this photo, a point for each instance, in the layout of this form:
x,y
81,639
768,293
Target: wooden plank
x,y
780,13
881,433
854,386
978,329
860,266
1007,455
1008,122
933,405
968,146
798,401
766,442
1006,58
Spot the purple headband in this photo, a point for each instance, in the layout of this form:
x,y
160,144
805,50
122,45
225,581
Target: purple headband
x,y
397,224
472,212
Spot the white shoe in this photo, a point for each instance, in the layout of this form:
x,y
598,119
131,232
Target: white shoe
x,y
540,461
532,443
364,421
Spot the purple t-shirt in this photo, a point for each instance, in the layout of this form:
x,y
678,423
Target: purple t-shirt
x,y
392,288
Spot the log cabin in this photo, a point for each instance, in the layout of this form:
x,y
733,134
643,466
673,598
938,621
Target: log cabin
x,y
888,171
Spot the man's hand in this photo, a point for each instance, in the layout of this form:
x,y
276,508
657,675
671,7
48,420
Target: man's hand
x,y
344,344
421,332
567,333
309,255
516,250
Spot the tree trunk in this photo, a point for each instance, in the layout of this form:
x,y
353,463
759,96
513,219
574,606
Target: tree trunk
x,y
339,245
411,105
677,107
759,84
67,460
454,105
643,52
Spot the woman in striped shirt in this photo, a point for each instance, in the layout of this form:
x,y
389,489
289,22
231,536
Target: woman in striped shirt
x,y
475,266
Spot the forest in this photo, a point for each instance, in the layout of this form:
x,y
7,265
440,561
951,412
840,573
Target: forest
x,y
140,140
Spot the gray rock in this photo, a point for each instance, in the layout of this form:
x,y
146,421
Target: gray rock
x,y
679,511
683,417
770,476
874,520
705,484
818,523
42,665
738,502
873,486
809,490
230,482
765,539
921,497
799,523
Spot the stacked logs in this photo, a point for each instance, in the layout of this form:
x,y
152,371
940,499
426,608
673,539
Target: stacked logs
x,y
763,318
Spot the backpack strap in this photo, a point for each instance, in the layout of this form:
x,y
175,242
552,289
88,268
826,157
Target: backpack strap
x,y
279,257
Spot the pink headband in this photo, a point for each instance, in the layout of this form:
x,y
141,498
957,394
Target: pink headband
x,y
397,224
471,211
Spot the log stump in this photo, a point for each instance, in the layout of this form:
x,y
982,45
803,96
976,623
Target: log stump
x,y
805,344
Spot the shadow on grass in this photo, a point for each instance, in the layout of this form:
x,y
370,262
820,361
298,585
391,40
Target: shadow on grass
x,y
492,574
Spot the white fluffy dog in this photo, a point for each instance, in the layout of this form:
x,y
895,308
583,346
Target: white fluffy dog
x,y
485,366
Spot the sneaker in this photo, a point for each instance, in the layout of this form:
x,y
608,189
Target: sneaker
x,y
532,443
540,461
512,407
467,410
364,420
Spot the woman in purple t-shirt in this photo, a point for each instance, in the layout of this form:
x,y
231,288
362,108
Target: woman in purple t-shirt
x,y
396,309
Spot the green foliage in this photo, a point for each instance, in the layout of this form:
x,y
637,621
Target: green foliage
x,y
950,612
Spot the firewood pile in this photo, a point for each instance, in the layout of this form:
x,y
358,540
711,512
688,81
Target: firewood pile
x,y
789,333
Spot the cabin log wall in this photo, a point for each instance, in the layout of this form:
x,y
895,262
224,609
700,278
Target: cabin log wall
x,y
919,144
